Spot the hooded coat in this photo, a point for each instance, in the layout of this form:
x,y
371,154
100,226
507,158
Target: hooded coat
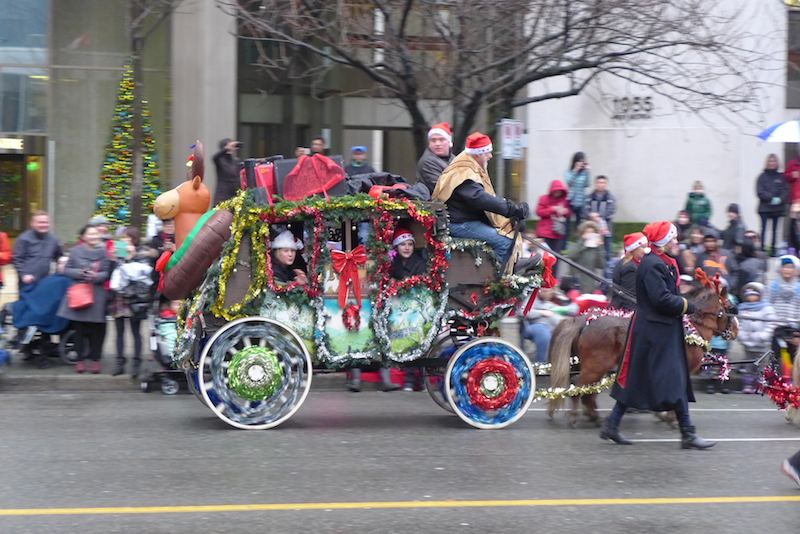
x,y
771,184
545,210
654,374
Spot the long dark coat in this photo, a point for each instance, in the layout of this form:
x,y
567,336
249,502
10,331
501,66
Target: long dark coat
x,y
654,374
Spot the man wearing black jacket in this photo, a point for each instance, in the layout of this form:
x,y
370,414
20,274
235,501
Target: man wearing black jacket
x,y
474,209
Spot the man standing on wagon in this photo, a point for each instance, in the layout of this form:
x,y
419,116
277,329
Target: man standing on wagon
x,y
654,374
475,211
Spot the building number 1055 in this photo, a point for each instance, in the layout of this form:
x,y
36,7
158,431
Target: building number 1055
x,y
634,107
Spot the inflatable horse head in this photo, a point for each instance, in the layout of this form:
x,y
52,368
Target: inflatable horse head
x,y
187,202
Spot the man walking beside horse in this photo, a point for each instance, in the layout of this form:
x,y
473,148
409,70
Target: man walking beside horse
x,y
654,374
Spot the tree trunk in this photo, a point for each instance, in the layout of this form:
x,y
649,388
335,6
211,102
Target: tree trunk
x,y
419,126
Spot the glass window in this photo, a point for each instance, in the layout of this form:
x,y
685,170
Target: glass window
x,y
23,31
23,99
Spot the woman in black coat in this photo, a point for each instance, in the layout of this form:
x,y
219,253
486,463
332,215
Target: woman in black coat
x,y
654,374
773,193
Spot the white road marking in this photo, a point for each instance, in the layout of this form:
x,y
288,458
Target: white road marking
x,y
691,410
727,440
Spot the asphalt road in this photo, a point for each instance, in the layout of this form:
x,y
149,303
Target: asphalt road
x,y
62,453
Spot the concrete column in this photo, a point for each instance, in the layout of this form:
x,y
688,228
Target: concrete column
x,y
204,98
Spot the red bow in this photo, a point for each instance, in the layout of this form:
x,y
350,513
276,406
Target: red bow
x,y
548,280
346,264
161,268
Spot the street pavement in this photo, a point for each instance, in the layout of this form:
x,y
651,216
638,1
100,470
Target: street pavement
x,y
382,462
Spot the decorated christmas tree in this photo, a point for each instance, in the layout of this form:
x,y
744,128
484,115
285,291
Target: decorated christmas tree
x,y
116,176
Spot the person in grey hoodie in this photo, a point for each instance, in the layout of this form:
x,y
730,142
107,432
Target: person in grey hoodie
x,y
89,263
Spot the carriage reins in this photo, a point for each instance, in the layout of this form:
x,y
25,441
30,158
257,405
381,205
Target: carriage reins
x,y
619,290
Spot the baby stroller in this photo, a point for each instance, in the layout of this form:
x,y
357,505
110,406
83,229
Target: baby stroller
x,y
35,320
157,367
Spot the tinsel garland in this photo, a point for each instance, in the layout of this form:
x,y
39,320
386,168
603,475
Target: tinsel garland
x,y
711,359
779,389
254,373
116,175
543,369
594,313
475,247
691,335
505,385
575,391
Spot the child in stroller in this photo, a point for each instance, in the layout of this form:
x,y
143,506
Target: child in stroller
x,y
163,333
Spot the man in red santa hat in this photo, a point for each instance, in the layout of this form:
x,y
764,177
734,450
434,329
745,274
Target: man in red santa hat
x,y
654,374
437,156
474,209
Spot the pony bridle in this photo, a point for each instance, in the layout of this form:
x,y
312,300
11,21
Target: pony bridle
x,y
726,334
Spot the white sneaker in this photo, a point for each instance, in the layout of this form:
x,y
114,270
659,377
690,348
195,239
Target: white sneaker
x,y
408,388
789,470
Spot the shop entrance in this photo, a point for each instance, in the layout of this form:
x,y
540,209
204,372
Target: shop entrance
x,y
21,190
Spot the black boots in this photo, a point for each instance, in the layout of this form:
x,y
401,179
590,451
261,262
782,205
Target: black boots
x,y
690,440
119,367
611,432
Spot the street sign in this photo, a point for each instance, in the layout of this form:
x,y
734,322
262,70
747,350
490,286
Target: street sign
x,y
511,139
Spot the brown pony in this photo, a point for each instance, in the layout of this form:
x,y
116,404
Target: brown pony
x,y
187,202
599,345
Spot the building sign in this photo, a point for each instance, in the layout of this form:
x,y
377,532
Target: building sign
x,y
632,108
11,143
511,132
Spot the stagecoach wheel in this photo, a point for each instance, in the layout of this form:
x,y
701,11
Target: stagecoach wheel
x,y
489,383
254,373
433,378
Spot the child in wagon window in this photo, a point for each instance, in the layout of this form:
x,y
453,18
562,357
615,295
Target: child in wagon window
x,y
407,261
285,267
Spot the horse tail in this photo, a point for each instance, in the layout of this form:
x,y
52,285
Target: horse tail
x,y
559,354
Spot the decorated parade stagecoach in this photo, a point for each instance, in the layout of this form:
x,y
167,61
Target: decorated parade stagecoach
x,y
249,344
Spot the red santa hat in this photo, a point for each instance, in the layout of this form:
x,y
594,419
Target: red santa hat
x,y
478,143
442,129
401,235
634,241
660,233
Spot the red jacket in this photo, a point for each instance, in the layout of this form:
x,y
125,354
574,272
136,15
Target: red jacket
x,y
545,210
5,253
794,183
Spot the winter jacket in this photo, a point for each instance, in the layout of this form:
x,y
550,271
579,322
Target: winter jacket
x,y
591,258
625,277
83,258
5,254
545,211
470,202
577,182
785,298
723,262
773,193
794,183
603,203
33,254
430,167
227,176
353,169
751,270
406,267
756,336
699,208
733,235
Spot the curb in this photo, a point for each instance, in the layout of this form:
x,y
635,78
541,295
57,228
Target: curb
x,y
22,382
